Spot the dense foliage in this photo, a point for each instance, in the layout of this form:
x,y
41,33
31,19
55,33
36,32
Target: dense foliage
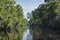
x,y
45,24
12,21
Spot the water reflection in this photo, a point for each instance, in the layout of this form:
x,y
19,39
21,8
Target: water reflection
x,y
27,35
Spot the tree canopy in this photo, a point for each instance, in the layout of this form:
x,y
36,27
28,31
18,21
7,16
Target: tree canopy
x,y
12,20
46,21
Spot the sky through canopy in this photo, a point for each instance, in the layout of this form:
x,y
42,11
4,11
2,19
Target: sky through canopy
x,y
29,5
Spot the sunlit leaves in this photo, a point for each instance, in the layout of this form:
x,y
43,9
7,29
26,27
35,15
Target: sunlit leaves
x,y
11,20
